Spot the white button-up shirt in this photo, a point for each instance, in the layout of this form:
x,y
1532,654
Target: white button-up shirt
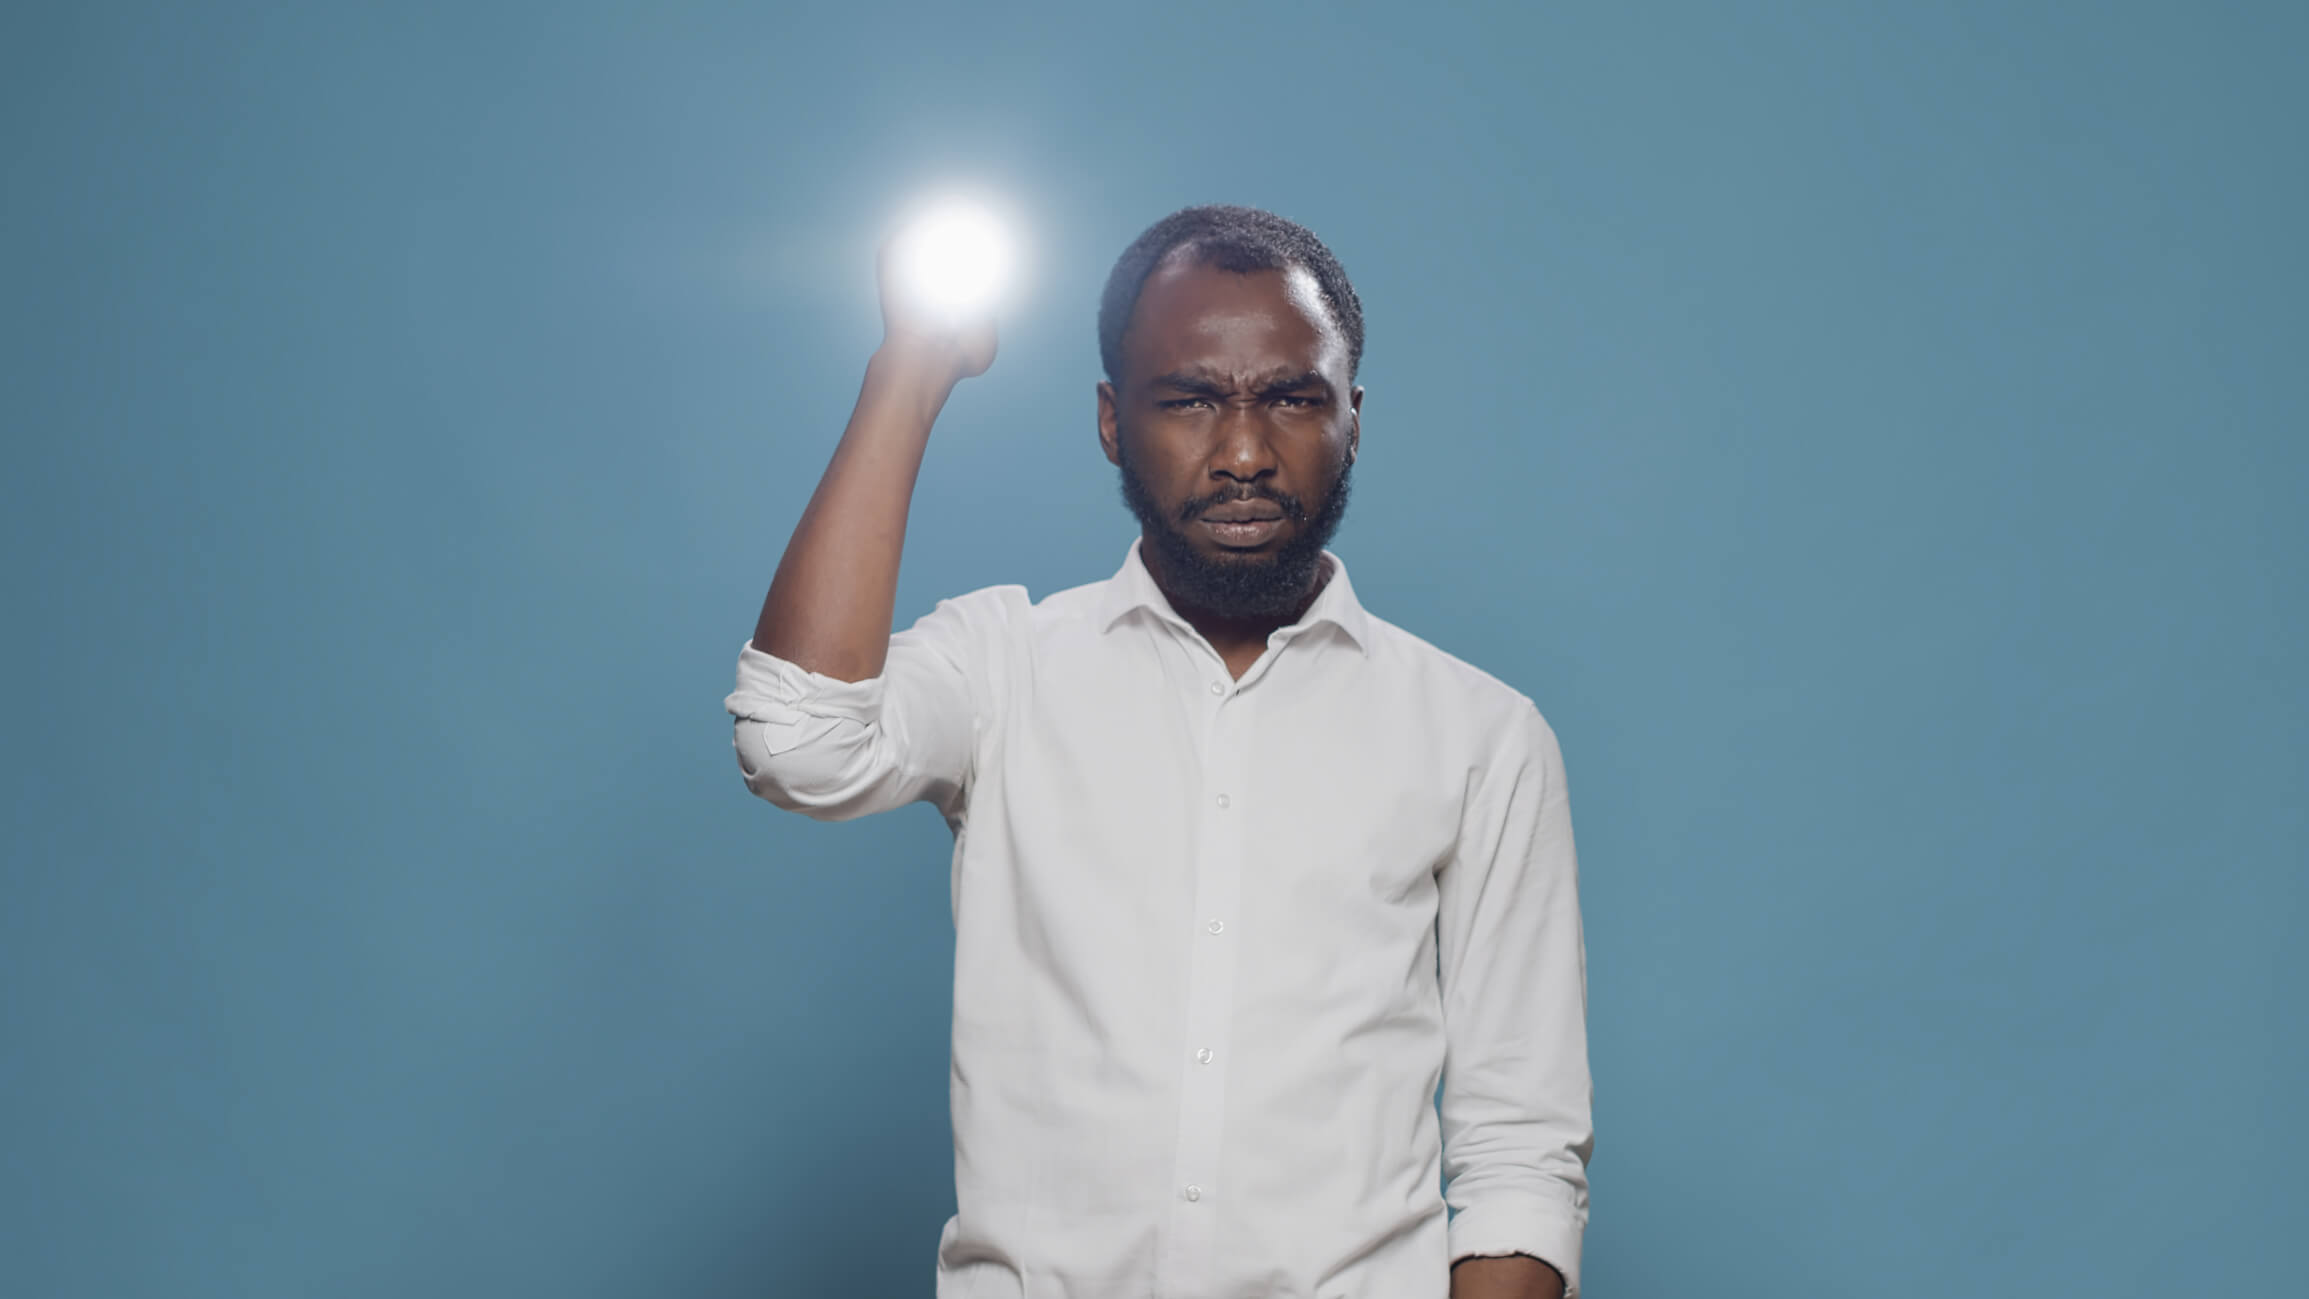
x,y
1218,941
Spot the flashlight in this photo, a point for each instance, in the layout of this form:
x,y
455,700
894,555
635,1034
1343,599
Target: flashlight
x,y
953,259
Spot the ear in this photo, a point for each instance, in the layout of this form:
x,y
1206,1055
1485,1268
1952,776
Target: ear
x,y
1354,422
1109,424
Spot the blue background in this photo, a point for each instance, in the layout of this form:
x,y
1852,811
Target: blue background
x,y
1874,437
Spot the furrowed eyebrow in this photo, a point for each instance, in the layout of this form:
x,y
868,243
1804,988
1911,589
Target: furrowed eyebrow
x,y
1205,386
1182,381
1295,382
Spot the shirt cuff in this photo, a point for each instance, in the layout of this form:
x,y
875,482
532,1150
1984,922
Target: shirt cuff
x,y
1520,1225
795,705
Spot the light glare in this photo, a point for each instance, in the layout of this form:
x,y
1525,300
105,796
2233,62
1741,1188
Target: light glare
x,y
954,259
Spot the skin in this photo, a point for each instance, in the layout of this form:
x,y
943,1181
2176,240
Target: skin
x,y
1234,387
830,603
1516,1276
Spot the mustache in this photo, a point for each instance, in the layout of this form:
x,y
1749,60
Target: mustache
x,y
1292,507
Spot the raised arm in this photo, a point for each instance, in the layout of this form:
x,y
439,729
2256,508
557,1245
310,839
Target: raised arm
x,y
830,604
836,717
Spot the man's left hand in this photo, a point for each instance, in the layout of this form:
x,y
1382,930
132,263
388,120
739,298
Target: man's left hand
x,y
1518,1276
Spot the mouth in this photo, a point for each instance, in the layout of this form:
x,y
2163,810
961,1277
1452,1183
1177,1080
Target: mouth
x,y
1244,532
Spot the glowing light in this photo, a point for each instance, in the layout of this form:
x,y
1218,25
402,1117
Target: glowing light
x,y
953,259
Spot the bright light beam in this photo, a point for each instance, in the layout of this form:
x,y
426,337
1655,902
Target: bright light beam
x,y
953,259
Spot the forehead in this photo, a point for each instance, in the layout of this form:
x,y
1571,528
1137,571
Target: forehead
x,y
1193,316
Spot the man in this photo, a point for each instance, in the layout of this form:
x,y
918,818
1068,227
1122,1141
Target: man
x,y
1241,871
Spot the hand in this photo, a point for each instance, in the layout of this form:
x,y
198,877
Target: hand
x,y
954,350
1515,1276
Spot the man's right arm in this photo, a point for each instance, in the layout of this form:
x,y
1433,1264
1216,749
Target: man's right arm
x,y
830,603
819,728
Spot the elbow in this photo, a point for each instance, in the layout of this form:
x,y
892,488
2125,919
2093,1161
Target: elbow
x,y
764,780
810,779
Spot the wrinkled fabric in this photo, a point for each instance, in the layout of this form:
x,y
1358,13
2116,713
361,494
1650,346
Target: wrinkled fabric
x,y
1218,942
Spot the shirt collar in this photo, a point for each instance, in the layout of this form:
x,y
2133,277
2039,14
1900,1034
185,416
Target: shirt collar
x,y
1133,587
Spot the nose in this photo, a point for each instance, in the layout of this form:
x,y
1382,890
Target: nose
x,y
1246,446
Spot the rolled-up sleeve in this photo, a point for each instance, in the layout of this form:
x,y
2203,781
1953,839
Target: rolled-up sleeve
x,y
1516,1102
834,750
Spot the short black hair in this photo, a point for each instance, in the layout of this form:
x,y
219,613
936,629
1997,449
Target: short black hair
x,y
1236,239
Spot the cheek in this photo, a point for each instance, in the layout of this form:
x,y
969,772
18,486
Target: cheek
x,y
1160,457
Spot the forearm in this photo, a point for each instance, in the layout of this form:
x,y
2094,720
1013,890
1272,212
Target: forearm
x,y
830,604
1518,1276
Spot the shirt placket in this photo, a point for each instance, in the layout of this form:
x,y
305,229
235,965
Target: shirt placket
x,y
1198,1190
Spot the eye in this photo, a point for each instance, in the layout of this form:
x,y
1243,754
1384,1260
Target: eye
x,y
1180,403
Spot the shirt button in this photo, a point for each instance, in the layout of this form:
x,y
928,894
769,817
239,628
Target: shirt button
x,y
1223,801
1218,687
1204,1055
1193,1192
1218,926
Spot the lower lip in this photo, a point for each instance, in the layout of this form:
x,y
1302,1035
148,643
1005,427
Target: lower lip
x,y
1244,534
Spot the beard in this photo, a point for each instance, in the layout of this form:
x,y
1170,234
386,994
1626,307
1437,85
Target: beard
x,y
1244,584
